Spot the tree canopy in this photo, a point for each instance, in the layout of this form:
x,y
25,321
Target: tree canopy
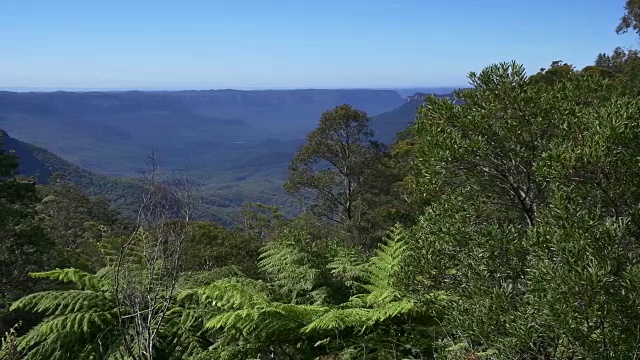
x,y
502,224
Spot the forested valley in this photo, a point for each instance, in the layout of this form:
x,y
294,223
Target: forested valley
x,y
502,225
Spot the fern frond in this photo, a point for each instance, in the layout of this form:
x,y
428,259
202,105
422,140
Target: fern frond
x,y
82,279
76,323
235,293
179,340
292,268
62,302
338,319
117,352
272,314
391,310
193,280
359,318
349,266
225,352
48,348
78,336
382,269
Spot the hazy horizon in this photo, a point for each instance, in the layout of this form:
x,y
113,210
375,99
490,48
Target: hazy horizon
x,y
98,89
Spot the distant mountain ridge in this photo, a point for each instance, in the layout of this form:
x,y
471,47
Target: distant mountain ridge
x,y
113,132
407,92
388,124
237,144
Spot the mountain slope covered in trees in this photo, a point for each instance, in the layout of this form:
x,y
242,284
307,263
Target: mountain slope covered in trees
x,y
43,164
477,235
113,132
501,226
225,192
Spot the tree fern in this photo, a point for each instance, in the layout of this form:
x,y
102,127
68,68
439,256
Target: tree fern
x,y
86,323
80,323
250,317
81,279
184,335
349,266
383,269
294,270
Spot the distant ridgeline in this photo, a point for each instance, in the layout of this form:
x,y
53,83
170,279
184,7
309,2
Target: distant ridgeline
x,y
237,144
113,132
388,124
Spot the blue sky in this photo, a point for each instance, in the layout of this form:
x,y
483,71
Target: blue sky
x,y
291,44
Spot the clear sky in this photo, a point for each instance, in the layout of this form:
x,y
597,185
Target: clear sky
x,y
168,44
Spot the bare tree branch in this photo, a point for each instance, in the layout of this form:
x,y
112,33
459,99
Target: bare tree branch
x,y
148,263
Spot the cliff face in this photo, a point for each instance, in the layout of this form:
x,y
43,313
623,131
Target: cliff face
x,y
388,124
417,97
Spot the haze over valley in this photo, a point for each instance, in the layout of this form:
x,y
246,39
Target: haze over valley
x,y
236,144
300,180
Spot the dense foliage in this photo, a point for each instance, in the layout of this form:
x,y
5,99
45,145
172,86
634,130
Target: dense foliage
x,y
502,224
23,242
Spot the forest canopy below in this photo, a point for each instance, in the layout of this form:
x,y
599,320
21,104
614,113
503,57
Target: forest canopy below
x,y
502,225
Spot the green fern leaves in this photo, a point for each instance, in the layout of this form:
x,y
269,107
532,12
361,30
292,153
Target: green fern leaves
x,y
290,310
245,311
79,323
